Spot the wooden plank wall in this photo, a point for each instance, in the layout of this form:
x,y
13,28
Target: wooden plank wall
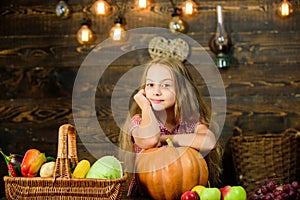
x,y
39,60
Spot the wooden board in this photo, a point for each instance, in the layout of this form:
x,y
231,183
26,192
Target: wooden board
x,y
40,59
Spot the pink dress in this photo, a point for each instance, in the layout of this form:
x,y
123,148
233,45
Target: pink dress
x,y
182,128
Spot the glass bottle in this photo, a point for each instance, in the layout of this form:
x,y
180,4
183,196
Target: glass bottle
x,y
220,43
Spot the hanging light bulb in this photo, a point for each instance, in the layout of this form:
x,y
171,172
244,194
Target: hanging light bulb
x,y
176,24
117,32
85,35
142,4
101,7
188,7
63,10
284,9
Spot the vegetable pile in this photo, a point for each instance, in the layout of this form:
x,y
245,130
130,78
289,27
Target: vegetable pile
x,y
36,164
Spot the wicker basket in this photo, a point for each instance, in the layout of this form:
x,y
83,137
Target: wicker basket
x,y
61,185
259,157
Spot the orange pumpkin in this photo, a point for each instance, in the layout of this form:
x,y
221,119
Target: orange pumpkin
x,y
167,172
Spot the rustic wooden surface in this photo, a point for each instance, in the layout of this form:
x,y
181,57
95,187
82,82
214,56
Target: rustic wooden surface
x,y
39,60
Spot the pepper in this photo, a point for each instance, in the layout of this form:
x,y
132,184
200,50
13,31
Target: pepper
x,y
11,169
32,162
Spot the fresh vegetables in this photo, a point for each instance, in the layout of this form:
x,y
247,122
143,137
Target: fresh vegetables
x,y
107,167
32,162
11,170
47,169
172,170
15,159
81,169
50,159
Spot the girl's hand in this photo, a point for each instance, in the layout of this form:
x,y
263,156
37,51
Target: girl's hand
x,y
142,100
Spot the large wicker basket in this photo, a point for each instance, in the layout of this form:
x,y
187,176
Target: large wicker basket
x,y
61,185
260,157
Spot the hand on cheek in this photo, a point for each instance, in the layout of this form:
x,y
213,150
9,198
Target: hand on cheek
x,y
141,99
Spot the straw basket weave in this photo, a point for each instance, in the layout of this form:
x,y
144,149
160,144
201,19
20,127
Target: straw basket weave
x,y
61,185
259,157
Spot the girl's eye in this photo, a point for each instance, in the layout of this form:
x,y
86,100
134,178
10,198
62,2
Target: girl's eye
x,y
166,85
149,84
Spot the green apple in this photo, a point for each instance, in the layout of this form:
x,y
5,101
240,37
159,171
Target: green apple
x,y
210,194
198,189
233,193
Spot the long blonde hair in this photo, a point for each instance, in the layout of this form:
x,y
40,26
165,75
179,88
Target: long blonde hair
x,y
189,101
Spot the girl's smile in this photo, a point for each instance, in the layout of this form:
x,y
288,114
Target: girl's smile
x,y
156,101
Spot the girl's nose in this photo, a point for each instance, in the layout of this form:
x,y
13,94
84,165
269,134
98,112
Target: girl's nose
x,y
156,90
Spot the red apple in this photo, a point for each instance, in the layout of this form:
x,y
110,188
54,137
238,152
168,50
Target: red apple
x,y
189,195
233,193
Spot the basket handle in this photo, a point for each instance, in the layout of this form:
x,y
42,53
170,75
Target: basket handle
x,y
237,131
72,148
66,151
292,131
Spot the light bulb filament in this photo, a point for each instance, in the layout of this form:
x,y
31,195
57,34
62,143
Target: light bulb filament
x,y
189,8
117,34
85,35
100,8
142,3
285,9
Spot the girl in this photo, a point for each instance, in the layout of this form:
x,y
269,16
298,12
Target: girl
x,y
169,105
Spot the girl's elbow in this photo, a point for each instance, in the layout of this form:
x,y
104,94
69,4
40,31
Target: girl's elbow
x,y
212,143
147,143
209,144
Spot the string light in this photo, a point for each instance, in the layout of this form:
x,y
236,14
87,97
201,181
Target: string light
x,y
117,32
142,4
188,7
85,35
176,24
284,9
63,10
101,7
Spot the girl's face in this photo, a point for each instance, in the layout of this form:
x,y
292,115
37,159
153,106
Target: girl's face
x,y
160,88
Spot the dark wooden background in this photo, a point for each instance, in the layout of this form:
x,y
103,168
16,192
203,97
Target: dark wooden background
x,y
40,57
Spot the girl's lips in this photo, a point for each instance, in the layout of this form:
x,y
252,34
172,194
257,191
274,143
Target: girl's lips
x,y
156,101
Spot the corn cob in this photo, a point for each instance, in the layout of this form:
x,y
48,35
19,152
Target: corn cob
x,y
81,169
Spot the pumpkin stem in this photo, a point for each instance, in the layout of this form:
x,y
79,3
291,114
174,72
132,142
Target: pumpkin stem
x,y
169,142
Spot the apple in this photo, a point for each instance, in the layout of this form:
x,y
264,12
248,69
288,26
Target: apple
x,y
189,195
210,194
233,193
198,189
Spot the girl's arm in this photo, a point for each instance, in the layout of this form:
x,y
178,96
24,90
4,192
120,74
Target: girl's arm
x,y
203,139
147,134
